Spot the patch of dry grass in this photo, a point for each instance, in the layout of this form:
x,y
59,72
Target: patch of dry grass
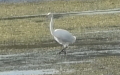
x,y
31,31
35,30
89,22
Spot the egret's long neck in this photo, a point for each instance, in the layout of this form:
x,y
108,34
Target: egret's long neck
x,y
51,25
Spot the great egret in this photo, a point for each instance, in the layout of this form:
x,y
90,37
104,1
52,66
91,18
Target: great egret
x,y
61,36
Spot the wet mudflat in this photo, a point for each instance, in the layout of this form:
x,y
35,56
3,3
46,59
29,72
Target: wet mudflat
x,y
89,55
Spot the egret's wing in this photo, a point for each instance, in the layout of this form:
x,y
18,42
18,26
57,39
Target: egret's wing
x,y
67,38
63,36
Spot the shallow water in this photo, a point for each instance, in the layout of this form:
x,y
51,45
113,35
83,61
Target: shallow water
x,y
29,72
48,62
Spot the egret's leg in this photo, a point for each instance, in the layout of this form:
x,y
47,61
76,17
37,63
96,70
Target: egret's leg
x,y
63,50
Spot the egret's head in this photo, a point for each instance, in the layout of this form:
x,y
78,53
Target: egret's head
x,y
50,14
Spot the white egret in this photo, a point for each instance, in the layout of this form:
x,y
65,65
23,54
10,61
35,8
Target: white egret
x,y
62,36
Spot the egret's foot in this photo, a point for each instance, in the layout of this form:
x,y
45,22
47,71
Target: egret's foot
x,y
63,51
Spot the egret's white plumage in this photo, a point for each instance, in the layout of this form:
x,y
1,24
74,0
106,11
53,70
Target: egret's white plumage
x,y
60,35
